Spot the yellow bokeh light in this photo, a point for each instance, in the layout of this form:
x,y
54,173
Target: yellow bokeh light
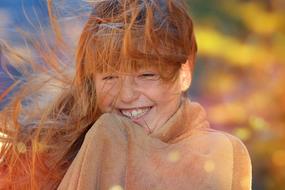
x,y
258,123
209,166
260,20
242,133
116,187
212,43
174,156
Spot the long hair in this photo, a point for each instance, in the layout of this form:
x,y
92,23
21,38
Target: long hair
x,y
40,138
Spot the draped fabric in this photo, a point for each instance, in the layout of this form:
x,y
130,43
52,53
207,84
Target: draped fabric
x,y
183,154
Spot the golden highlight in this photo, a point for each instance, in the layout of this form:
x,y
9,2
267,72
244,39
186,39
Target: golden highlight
x,y
40,137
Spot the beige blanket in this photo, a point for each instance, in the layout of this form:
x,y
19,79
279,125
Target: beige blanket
x,y
184,154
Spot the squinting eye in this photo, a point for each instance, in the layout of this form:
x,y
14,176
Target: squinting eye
x,y
149,76
110,77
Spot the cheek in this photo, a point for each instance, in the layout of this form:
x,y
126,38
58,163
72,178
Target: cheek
x,y
104,99
105,102
165,93
102,102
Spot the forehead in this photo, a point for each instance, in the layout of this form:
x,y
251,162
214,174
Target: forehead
x,y
130,69
166,72
121,64
108,50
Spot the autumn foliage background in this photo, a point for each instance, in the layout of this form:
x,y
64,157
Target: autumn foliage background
x,y
239,75
240,78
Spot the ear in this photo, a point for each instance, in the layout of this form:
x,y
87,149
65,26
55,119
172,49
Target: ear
x,y
185,76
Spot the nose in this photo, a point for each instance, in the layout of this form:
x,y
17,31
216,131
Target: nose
x,y
128,91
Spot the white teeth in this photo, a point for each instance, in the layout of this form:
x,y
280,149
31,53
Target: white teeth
x,y
129,114
133,114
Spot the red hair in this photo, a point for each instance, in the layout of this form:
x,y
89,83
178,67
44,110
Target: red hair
x,y
41,141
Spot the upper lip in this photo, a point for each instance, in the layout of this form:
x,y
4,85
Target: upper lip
x,y
133,108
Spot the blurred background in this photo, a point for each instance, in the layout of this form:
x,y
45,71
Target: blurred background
x,y
240,78
239,75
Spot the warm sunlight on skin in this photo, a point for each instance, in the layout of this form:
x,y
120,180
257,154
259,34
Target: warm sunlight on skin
x,y
142,96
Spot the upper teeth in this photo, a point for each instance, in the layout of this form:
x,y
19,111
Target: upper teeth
x,y
135,113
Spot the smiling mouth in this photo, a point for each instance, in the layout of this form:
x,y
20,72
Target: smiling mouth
x,y
135,113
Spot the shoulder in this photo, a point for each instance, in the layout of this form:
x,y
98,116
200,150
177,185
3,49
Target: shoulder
x,y
221,144
238,146
239,150
225,152
241,162
215,138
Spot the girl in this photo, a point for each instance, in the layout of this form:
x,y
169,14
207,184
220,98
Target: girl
x,y
125,121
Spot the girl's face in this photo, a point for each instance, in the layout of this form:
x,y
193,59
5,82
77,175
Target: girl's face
x,y
142,96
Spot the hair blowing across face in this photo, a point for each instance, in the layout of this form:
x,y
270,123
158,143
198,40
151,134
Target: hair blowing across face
x,y
120,35
125,35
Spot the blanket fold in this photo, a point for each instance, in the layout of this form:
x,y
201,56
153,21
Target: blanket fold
x,y
183,154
